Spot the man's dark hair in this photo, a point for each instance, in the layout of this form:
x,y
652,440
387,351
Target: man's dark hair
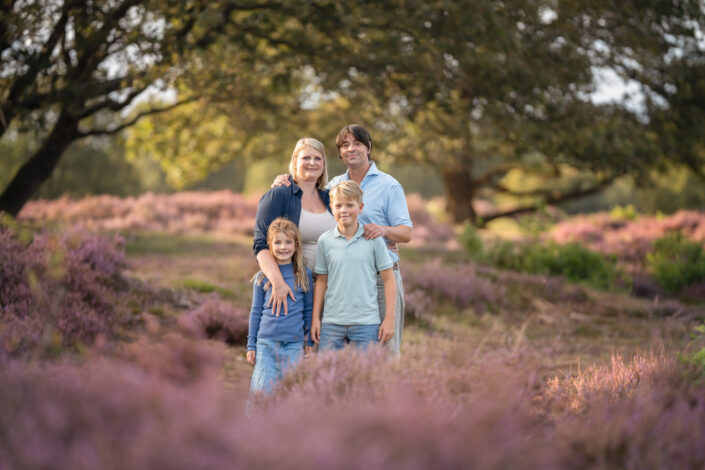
x,y
358,132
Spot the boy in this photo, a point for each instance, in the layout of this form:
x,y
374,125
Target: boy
x,y
347,265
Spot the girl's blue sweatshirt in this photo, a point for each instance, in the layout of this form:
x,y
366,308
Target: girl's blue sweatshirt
x,y
296,326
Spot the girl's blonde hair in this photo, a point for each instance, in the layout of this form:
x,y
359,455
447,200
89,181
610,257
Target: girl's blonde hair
x,y
288,228
322,180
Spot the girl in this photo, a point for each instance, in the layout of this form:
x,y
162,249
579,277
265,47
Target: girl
x,y
277,342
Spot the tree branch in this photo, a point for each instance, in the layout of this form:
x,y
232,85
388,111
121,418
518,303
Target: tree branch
x,y
132,121
486,179
36,64
553,199
111,104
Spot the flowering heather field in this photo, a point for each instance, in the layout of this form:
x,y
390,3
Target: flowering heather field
x,y
60,290
221,212
165,406
630,240
127,352
184,212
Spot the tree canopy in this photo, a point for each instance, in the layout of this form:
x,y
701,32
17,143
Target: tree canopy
x,y
496,95
76,69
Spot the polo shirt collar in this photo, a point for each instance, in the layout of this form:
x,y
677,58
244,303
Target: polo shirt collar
x,y
358,234
370,171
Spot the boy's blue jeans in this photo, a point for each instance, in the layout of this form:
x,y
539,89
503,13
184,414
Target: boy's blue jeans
x,y
334,337
272,361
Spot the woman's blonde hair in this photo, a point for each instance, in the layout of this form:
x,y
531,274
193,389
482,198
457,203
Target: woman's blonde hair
x,y
322,180
288,228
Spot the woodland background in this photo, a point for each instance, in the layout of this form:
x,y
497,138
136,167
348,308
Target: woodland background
x,y
553,160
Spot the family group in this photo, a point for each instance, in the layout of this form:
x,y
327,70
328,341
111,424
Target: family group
x,y
328,256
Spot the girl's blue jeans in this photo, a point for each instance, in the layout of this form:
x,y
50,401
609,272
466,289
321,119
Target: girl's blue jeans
x,y
272,361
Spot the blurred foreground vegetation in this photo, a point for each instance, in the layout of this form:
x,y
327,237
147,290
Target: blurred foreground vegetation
x,y
115,345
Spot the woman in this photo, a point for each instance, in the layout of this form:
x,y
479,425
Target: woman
x,y
305,202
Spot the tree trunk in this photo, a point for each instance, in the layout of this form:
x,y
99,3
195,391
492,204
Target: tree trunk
x,y
40,166
460,191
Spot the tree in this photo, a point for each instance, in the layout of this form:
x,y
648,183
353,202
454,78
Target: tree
x,y
66,63
495,94
486,90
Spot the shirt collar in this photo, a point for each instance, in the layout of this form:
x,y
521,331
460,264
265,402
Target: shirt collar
x,y
358,234
371,171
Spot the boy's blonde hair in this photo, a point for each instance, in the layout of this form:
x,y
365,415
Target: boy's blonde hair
x,y
348,190
287,227
322,180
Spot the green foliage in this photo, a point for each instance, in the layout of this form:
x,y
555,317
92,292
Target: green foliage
x,y
536,223
627,212
470,240
676,262
206,287
573,261
666,190
93,166
697,358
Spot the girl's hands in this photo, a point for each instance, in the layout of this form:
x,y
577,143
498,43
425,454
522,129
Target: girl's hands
x,y
251,357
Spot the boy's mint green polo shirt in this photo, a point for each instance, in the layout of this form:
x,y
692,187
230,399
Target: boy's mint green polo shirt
x,y
351,266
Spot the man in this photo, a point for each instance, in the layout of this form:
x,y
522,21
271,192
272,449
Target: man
x,y
384,214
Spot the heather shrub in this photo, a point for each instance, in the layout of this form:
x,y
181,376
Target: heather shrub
x,y
183,212
645,287
217,319
550,288
60,290
193,212
174,358
647,414
460,285
694,292
435,407
120,415
676,262
628,238
417,305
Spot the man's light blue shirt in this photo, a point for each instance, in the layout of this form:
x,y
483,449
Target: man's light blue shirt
x,y
383,199
351,266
